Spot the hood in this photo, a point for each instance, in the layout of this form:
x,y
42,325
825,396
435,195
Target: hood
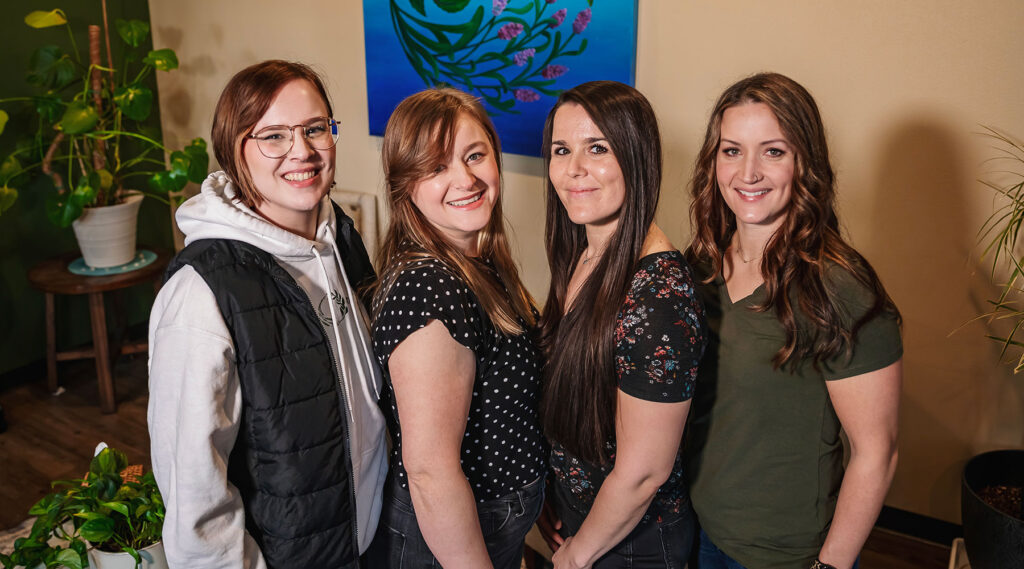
x,y
215,213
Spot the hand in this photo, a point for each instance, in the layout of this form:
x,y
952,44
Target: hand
x,y
563,560
548,523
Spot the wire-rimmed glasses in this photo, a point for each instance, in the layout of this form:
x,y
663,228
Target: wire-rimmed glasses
x,y
276,141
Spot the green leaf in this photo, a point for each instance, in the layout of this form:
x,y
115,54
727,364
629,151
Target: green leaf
x,y
8,168
78,117
118,507
108,461
97,530
199,160
135,101
7,198
162,59
49,107
105,179
418,5
164,182
451,6
50,67
133,32
40,19
3,120
61,211
70,559
84,193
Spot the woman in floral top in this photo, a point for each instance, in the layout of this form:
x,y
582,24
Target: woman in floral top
x,y
622,332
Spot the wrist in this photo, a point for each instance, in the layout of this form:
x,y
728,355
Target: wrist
x,y
819,564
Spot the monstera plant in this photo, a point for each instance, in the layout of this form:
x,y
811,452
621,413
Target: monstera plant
x,y
88,114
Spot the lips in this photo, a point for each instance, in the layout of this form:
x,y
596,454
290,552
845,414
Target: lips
x,y
752,194
301,176
467,201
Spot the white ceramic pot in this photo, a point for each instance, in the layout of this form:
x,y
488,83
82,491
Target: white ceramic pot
x,y
106,235
152,558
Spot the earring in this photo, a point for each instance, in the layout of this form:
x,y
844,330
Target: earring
x,y
333,183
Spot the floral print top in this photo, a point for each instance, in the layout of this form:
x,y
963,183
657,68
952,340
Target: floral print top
x,y
660,337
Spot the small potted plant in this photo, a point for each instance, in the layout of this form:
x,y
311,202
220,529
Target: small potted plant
x,y
90,134
110,519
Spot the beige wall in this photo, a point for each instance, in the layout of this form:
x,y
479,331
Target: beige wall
x,y
903,87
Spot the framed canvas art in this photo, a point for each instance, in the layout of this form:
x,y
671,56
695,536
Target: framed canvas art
x,y
515,55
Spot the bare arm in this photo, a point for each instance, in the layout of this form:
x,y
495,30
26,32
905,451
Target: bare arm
x,y
868,409
432,376
642,464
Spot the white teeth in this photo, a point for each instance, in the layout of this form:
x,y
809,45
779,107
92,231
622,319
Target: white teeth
x,y
752,194
300,176
467,201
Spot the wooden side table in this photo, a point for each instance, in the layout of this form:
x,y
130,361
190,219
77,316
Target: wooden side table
x,y
53,277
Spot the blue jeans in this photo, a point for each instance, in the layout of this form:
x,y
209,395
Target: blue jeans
x,y
710,557
504,521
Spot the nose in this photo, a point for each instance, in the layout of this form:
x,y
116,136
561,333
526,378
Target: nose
x,y
574,167
750,172
300,146
462,177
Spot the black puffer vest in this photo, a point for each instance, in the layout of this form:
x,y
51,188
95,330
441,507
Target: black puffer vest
x,y
291,461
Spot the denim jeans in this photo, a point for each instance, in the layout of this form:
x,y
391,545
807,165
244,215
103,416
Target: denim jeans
x,y
504,521
710,557
661,543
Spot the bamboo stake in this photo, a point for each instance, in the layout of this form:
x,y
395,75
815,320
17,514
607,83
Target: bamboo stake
x,y
99,149
48,159
106,34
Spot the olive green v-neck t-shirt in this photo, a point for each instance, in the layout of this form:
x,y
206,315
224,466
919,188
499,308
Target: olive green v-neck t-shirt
x,y
764,455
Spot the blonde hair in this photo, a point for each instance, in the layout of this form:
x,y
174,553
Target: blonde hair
x,y
420,135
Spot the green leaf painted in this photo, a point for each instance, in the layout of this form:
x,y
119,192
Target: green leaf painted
x,y
133,32
451,6
50,67
40,19
4,117
97,530
78,117
61,211
7,198
135,101
69,558
418,5
162,59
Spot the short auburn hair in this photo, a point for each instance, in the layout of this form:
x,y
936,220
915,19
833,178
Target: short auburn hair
x,y
245,99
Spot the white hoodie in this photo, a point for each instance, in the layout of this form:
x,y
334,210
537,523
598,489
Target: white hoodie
x,y
195,397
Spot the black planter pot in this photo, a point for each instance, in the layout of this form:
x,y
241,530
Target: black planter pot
x,y
994,540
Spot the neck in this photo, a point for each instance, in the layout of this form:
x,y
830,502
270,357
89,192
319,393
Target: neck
x,y
598,237
301,225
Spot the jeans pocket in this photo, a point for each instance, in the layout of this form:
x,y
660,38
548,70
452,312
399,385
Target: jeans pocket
x,y
387,549
676,540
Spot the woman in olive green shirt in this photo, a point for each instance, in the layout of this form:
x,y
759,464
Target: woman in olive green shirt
x,y
804,343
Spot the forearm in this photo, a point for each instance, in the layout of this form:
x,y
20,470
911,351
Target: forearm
x,y
861,495
618,507
447,517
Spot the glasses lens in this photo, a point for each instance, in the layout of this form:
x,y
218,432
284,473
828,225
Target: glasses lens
x,y
274,142
322,133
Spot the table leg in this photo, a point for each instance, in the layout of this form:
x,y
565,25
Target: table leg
x,y
102,352
51,345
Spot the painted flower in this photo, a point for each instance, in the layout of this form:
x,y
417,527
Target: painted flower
x,y
553,70
523,57
498,6
511,30
526,95
559,17
581,21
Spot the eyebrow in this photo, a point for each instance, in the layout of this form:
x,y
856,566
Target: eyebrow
x,y
303,123
587,140
473,145
772,141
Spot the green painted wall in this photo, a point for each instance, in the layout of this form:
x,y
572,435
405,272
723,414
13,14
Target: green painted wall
x,y
26,236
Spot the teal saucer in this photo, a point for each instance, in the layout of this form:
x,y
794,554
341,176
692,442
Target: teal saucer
x,y
142,258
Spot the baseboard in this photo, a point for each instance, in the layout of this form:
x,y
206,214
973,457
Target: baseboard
x,y
919,526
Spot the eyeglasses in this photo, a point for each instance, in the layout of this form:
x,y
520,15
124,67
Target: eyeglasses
x,y
276,141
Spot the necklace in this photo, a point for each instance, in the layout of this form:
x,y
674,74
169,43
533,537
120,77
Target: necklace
x,y
739,252
588,259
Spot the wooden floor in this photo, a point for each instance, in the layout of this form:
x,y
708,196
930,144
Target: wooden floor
x,y
52,438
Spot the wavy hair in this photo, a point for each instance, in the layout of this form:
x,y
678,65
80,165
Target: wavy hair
x,y
420,135
798,256
578,402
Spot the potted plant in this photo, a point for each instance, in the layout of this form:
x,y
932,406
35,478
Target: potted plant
x,y
91,138
992,483
115,511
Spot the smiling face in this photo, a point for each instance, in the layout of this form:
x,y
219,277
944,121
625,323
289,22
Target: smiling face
x,y
291,186
754,166
458,197
584,171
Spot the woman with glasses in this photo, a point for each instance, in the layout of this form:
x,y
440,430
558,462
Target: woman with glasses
x,y
452,327
267,441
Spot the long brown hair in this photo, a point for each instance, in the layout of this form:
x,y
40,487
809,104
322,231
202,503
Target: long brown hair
x,y
578,403
798,256
244,101
420,135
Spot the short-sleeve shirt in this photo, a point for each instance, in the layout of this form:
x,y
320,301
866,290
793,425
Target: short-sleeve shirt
x,y
503,448
764,453
659,340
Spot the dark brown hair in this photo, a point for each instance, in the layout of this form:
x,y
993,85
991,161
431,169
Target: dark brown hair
x,y
578,402
798,256
245,99
420,135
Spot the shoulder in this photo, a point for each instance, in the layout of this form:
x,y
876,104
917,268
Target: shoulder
x,y
666,270
186,302
424,279
847,290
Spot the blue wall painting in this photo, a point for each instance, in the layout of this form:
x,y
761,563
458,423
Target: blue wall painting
x,y
516,55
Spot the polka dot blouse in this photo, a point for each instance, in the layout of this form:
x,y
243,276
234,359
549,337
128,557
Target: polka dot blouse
x,y
503,448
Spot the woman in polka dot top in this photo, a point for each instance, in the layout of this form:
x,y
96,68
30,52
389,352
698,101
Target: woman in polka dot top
x,y
623,331
452,330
